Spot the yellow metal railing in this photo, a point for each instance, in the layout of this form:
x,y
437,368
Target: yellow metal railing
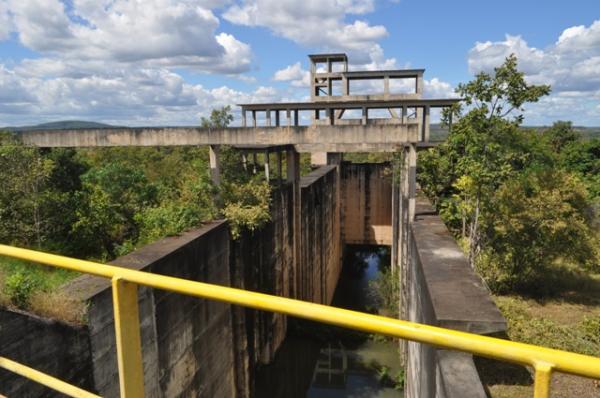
x,y
125,282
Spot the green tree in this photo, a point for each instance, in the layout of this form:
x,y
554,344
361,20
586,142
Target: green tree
x,y
219,118
561,134
484,148
583,158
538,217
25,177
108,203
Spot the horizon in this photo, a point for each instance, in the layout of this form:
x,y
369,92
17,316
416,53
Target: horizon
x,y
83,61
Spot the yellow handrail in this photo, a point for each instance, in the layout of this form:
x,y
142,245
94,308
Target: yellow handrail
x,y
125,282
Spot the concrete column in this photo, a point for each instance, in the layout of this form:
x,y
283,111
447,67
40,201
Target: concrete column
x,y
254,163
404,115
244,161
426,124
289,117
345,86
279,168
365,115
215,171
267,167
293,177
331,115
277,118
412,181
253,118
296,121
268,117
243,118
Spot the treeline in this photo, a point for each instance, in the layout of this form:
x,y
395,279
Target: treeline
x,y
101,203
524,203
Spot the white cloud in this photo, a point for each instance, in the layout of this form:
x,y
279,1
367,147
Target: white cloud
x,y
294,74
122,96
169,32
572,63
316,23
5,21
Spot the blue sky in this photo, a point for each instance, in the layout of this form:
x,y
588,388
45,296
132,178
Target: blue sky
x,y
168,62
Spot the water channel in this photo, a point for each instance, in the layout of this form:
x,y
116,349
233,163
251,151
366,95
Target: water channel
x,y
319,361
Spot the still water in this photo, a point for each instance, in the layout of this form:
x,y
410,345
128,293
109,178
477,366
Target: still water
x,y
318,361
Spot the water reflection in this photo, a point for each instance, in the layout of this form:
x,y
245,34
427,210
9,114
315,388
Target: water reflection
x,y
320,361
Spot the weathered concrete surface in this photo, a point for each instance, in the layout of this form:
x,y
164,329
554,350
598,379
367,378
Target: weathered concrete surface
x,y
186,342
51,347
321,240
456,376
443,291
327,137
366,204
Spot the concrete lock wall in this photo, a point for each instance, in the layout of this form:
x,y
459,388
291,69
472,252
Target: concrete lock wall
x,y
443,290
367,205
49,346
191,346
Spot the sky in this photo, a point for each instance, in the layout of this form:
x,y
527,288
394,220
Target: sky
x,y
168,62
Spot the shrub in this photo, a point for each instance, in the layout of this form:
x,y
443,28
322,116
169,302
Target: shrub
x,y
19,287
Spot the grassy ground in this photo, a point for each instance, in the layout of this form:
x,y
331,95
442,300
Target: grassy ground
x,y
569,321
35,288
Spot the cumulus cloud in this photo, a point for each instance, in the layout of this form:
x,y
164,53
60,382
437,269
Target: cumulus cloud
x,y
294,74
572,63
131,96
169,32
315,23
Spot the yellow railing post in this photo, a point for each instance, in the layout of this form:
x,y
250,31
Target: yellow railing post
x,y
543,377
129,346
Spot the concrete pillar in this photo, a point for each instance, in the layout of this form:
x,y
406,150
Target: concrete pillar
x,y
253,118
215,171
243,118
412,181
426,124
277,118
296,120
293,177
279,168
331,115
267,167
268,117
365,115
404,115
345,86
254,163
244,161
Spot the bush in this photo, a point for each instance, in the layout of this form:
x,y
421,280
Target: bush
x,y
246,205
19,288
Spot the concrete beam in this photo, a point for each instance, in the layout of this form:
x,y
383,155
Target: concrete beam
x,y
330,137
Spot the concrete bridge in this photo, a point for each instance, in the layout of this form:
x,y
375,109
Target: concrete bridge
x,y
194,347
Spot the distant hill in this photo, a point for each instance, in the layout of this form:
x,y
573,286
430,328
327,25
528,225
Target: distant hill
x,y
60,125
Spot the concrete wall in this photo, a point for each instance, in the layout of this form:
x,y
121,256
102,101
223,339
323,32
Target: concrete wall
x,y
367,204
52,347
320,235
186,342
444,291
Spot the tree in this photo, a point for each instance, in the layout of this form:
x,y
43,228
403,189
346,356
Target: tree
x,y
25,177
219,118
538,217
561,134
484,148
